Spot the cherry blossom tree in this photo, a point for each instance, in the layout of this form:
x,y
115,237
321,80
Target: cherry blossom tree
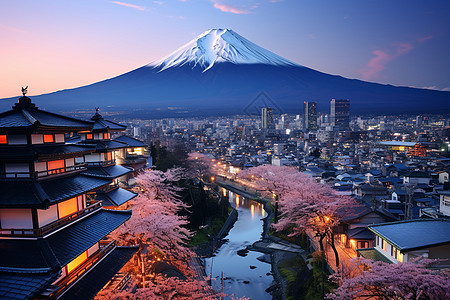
x,y
200,165
402,281
155,222
304,203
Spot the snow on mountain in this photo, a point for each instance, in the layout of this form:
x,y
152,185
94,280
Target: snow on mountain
x,y
219,45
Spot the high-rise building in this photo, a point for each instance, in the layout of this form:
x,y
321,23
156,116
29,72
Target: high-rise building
x,y
267,118
310,115
340,114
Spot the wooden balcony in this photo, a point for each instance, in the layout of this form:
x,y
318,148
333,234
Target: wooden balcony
x,y
14,232
102,163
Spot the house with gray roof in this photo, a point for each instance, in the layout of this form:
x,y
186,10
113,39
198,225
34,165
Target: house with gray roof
x,y
404,241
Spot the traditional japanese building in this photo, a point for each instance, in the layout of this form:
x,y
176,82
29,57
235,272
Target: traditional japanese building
x,y
135,155
52,237
102,162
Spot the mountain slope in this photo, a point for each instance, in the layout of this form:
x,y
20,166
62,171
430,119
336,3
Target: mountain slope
x,y
221,73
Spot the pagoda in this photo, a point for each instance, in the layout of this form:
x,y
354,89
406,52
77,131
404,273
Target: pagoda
x,y
102,162
53,242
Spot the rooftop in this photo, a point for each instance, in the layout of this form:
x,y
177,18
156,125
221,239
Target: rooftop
x,y
25,115
414,234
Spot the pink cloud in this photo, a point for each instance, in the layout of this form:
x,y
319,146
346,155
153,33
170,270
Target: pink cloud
x,y
382,58
376,64
404,48
229,8
129,5
425,38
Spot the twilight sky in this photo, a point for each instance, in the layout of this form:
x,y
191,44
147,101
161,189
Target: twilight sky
x,y
52,45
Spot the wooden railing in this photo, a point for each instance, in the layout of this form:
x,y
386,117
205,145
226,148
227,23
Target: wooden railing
x,y
71,278
110,187
15,232
102,163
41,174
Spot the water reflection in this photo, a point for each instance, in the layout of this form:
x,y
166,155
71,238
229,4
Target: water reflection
x,y
240,279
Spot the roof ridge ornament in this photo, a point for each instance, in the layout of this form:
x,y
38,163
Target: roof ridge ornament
x,y
24,102
97,116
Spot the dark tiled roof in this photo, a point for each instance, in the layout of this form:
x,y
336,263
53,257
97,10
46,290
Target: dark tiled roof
x,y
115,197
131,142
24,285
95,279
103,145
23,152
414,234
69,243
58,249
107,172
26,114
102,125
41,193
62,149
373,254
360,233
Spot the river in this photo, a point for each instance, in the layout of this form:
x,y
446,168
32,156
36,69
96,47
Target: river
x,y
241,278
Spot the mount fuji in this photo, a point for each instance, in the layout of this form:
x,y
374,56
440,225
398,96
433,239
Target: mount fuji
x,y
222,73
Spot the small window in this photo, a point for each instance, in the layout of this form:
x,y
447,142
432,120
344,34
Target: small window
x,y
109,156
105,135
3,139
49,138
89,136
56,166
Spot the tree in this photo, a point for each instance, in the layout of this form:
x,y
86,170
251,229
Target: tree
x,y
199,165
161,234
402,281
304,203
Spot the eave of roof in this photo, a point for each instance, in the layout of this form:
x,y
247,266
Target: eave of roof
x,y
59,248
96,278
41,194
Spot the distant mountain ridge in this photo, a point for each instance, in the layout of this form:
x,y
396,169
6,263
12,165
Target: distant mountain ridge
x,y
221,73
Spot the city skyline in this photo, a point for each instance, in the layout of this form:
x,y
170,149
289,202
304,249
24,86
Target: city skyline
x,y
53,46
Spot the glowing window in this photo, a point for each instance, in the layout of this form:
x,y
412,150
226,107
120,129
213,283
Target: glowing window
x,y
56,166
89,136
384,245
49,138
77,261
105,135
3,139
109,156
67,207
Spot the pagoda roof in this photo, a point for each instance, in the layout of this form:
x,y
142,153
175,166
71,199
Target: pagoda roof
x,y
91,283
115,197
40,194
104,145
110,172
102,125
47,151
25,285
130,141
58,249
25,116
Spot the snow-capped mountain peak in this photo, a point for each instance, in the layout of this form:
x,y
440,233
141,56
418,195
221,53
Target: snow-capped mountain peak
x,y
219,45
